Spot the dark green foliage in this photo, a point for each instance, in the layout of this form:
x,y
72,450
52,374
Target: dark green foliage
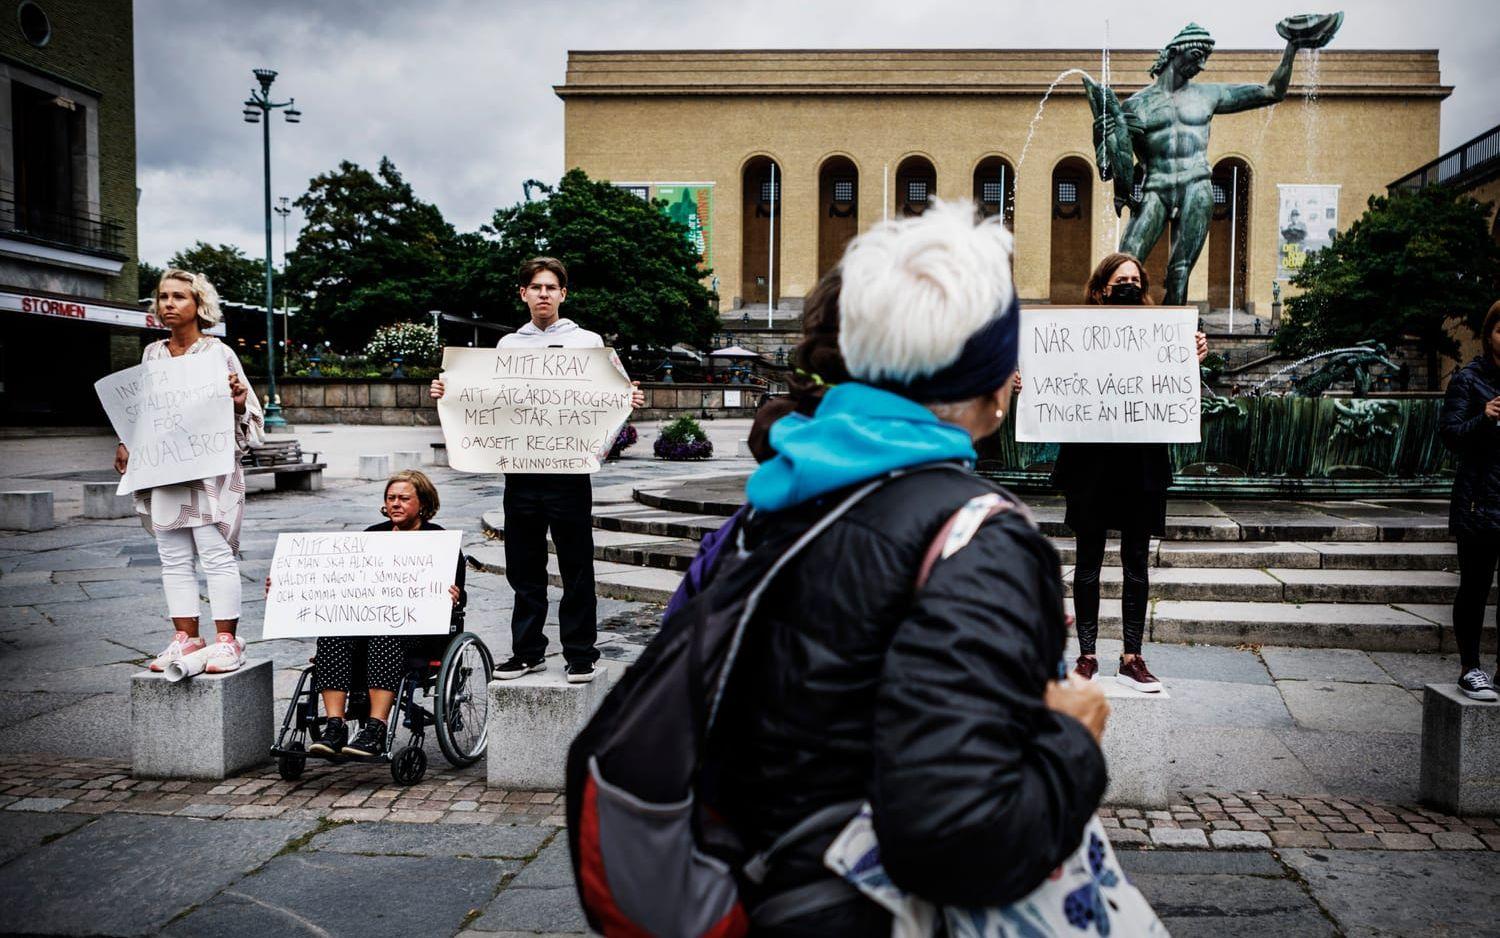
x,y
239,279
148,276
632,274
371,253
1410,263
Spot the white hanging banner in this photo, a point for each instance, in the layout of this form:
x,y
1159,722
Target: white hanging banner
x,y
1108,374
362,583
175,416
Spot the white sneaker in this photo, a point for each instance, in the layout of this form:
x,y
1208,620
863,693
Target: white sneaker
x,y
227,654
181,645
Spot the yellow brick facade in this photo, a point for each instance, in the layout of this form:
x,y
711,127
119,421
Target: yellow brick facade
x,y
701,116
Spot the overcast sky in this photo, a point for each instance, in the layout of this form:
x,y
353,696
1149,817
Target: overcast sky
x,y
459,92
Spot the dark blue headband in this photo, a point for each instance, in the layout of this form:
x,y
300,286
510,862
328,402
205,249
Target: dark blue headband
x,y
987,360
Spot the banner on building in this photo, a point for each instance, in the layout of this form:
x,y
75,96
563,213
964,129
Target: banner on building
x,y
367,583
550,410
176,417
1106,374
688,203
1306,222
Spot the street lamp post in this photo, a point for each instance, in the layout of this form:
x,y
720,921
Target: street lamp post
x,y
258,108
283,209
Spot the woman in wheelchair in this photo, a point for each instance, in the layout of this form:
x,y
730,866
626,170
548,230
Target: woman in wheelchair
x,y
410,502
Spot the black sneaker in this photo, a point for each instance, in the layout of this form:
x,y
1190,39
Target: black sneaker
x,y
331,741
1476,686
370,743
581,673
517,666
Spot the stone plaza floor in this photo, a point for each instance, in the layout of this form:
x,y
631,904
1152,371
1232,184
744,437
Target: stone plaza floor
x,y
1294,770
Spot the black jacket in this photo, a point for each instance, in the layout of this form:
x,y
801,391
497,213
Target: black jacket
x,y
929,706
1475,440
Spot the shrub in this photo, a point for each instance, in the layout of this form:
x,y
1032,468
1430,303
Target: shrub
x,y
417,344
683,439
624,441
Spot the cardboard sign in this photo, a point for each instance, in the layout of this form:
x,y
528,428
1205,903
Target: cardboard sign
x,y
1108,374
547,410
365,583
176,417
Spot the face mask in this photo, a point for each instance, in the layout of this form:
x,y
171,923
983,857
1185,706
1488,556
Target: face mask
x,y
1123,294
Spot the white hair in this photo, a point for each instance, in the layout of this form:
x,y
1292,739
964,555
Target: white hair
x,y
204,295
915,290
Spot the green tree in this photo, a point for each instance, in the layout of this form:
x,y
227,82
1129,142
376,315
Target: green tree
x,y
1412,262
632,272
238,278
148,276
371,253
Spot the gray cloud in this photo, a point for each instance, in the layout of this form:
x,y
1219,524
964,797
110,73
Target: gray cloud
x,y
459,92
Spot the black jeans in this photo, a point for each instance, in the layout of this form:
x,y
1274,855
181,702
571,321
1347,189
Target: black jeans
x,y
1478,556
563,504
1135,556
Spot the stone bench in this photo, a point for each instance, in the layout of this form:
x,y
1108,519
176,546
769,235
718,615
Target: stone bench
x,y
1460,752
532,721
1135,746
374,467
293,477
439,454
210,726
26,510
100,501
406,459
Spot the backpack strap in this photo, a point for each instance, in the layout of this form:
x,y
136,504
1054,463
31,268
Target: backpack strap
x,y
961,527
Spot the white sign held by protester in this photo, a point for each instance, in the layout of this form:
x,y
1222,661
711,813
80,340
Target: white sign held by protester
x,y
1108,374
548,410
176,417
361,583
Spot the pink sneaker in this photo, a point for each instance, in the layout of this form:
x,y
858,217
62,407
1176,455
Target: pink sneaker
x,y
227,655
181,645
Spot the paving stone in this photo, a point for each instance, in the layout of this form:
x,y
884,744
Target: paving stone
x,y
1298,838
500,840
1201,757
1223,894
1127,836
1178,837
1378,892
1239,840
420,896
1221,703
22,832
1352,708
1453,840
150,868
40,805
1323,664
523,909
1404,841
1353,841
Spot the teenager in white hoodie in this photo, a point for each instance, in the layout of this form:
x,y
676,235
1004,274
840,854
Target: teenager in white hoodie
x,y
538,502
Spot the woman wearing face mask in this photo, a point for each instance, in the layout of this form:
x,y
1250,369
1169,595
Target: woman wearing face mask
x,y
1116,487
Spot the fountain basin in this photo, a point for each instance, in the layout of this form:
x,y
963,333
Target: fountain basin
x,y
1381,446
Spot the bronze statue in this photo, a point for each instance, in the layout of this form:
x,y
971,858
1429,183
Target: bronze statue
x,y
1156,142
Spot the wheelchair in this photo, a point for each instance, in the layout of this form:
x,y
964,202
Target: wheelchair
x,y
450,672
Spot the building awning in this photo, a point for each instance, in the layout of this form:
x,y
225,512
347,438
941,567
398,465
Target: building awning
x,y
62,306
733,351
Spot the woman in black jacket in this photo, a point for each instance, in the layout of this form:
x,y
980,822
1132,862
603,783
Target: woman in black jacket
x,y
1470,426
940,706
1116,487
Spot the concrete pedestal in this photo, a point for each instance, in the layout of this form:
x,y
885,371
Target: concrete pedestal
x,y
406,459
25,511
100,501
206,727
440,454
1460,752
374,467
1135,746
533,720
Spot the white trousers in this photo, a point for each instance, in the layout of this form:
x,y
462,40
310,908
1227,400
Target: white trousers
x,y
179,580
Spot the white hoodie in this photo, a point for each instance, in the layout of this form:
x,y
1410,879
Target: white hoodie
x,y
561,334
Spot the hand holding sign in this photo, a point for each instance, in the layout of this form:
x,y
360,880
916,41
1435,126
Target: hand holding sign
x,y
175,420
554,410
1101,374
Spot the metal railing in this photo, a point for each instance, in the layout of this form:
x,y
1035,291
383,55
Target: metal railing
x,y
78,231
1456,166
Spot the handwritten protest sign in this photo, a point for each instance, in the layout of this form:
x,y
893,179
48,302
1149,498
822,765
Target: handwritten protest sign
x,y
367,583
551,410
1101,374
176,417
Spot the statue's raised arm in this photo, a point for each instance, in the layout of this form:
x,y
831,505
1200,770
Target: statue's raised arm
x,y
1306,31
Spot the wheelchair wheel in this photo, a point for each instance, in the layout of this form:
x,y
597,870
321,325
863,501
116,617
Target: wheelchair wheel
x,y
463,700
408,765
290,766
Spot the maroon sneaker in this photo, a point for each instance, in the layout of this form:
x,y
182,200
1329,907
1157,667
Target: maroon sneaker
x,y
1086,667
1134,673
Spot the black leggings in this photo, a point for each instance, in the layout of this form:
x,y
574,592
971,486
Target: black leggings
x,y
384,659
1135,555
1478,557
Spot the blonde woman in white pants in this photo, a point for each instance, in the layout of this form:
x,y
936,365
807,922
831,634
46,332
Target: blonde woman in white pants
x,y
198,523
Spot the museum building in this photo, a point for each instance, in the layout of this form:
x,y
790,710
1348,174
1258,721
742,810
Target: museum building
x,y
779,157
